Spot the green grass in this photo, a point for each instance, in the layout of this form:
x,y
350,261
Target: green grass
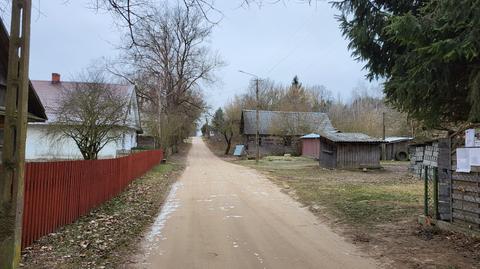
x,y
353,197
164,168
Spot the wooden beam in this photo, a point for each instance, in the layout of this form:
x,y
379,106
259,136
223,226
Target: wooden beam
x,y
15,129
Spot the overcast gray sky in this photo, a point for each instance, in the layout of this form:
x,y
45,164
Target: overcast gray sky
x,y
274,41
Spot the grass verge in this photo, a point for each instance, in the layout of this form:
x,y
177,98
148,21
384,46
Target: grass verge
x,y
107,236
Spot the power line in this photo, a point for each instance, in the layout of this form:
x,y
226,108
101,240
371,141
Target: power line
x,y
297,44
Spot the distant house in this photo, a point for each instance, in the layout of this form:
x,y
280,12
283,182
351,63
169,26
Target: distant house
x,y
280,131
36,111
396,148
349,150
41,145
311,146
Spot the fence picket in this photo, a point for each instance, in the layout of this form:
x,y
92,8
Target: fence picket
x,y
58,193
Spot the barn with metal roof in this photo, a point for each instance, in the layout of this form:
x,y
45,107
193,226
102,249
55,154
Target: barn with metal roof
x,y
349,150
280,131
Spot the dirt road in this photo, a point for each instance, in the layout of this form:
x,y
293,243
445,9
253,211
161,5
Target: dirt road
x,y
221,215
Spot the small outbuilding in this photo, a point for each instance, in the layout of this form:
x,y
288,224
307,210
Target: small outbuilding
x,y
280,131
349,151
396,148
311,145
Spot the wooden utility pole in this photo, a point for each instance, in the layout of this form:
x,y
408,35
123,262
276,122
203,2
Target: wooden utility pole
x,y
15,128
257,133
207,129
384,148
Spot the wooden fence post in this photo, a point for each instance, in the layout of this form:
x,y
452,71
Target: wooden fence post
x,y
435,193
425,197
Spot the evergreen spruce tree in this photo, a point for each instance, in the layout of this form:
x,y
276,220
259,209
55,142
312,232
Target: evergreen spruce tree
x,y
427,51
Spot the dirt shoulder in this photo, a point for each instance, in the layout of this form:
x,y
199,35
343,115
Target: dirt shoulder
x,y
108,235
376,210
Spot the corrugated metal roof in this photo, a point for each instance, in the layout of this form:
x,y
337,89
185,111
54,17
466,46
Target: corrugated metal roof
x,y
314,121
392,139
350,137
310,136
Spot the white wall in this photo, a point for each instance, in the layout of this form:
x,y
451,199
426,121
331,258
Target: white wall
x,y
42,146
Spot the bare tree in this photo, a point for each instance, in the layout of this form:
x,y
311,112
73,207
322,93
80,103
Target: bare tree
x,y
170,63
91,112
226,123
290,126
133,12
364,114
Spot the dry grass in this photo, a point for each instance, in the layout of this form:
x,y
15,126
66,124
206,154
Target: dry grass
x,y
109,234
354,197
377,210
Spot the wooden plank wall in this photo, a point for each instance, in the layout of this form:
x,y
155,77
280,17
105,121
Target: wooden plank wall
x,y
357,155
466,199
328,154
465,192
393,148
272,145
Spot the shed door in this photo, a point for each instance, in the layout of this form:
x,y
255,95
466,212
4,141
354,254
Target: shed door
x,y
328,155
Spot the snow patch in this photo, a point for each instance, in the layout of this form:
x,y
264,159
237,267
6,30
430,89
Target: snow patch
x,y
168,208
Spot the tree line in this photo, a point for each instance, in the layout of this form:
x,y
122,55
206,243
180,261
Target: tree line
x,y
364,113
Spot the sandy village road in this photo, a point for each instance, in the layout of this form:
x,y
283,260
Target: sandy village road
x,y
221,215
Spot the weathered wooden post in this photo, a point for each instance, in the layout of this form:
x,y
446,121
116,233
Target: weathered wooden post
x,y
425,197
15,128
435,192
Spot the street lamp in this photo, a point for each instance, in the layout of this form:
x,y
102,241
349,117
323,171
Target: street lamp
x,y
257,135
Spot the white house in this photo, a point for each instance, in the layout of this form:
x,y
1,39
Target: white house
x,y
41,145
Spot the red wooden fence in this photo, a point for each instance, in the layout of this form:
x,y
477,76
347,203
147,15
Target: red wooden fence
x,y
58,193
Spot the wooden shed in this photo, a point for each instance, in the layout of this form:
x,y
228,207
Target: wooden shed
x,y
311,146
280,131
349,151
396,148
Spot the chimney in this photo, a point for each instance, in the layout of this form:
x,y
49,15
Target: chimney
x,y
55,78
